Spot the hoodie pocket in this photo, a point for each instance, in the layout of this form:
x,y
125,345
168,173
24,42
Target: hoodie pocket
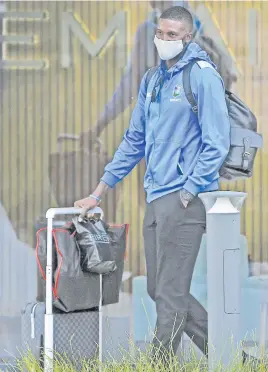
x,y
165,165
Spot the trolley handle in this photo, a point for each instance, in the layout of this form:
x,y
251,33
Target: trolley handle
x,y
52,212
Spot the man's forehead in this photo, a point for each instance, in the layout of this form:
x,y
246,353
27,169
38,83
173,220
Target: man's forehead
x,y
171,25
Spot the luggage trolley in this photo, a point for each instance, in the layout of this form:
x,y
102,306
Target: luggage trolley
x,y
49,330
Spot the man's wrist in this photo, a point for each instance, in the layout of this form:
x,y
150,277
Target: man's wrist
x,y
97,198
186,197
99,191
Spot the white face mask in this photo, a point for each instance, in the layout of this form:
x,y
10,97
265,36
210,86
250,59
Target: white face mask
x,y
168,49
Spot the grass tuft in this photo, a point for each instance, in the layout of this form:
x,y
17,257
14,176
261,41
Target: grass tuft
x,y
142,362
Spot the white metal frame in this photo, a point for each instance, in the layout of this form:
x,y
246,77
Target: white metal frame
x,y
48,332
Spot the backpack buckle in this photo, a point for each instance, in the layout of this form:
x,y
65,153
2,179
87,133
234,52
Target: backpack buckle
x,y
246,154
245,162
195,109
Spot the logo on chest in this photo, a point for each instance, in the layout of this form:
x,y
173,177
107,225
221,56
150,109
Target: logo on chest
x,y
177,93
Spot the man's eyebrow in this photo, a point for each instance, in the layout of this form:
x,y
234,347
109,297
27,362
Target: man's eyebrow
x,y
173,31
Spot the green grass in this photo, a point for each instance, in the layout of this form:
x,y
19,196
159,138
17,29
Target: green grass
x,y
141,362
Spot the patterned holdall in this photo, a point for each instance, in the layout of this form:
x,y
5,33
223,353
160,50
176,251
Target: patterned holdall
x,y
76,335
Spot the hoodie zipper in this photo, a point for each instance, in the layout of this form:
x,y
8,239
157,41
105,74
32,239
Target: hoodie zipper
x,y
165,83
151,179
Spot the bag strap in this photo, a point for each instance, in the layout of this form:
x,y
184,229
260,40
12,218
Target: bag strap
x,y
149,75
186,80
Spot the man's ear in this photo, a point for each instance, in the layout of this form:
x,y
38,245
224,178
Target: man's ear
x,y
188,38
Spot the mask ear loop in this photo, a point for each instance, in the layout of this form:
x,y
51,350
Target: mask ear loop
x,y
185,47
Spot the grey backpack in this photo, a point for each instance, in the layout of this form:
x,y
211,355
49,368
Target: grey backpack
x,y
245,141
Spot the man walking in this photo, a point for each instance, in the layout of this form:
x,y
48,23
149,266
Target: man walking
x,y
183,153
142,57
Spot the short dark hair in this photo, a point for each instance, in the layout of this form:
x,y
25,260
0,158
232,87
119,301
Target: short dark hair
x,y
178,13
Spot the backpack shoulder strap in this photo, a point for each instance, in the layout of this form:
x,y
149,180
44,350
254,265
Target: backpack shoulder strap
x,y
187,85
187,82
149,75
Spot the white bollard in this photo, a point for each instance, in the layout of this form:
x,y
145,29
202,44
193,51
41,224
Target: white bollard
x,y
223,275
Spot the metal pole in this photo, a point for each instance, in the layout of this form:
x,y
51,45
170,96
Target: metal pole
x,y
223,275
48,342
100,326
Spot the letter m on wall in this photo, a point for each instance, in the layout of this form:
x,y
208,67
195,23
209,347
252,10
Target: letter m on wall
x,y
115,28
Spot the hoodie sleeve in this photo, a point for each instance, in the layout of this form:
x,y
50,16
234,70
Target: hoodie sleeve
x,y
132,148
208,90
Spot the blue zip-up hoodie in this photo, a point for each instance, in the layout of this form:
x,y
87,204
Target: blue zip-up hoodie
x,y
181,150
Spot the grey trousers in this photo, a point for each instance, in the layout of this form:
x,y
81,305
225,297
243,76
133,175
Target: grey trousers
x,y
172,237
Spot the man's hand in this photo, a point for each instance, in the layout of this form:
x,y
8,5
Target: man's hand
x,y
93,200
186,197
87,204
